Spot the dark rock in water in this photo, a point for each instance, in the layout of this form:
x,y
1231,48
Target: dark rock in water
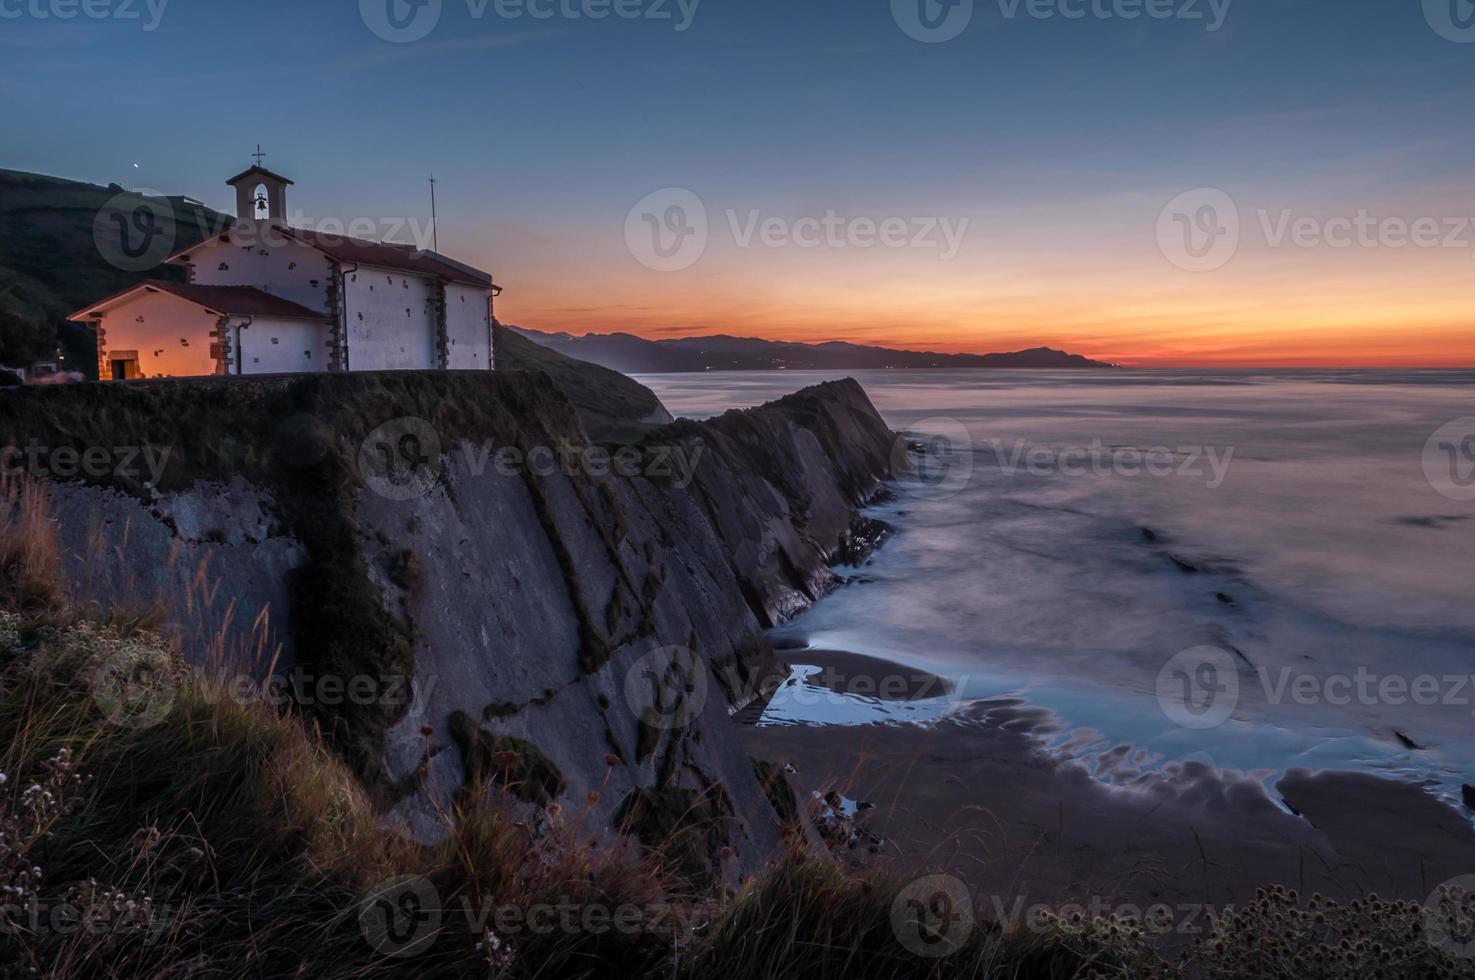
x,y
1406,742
1148,534
1467,792
864,536
1227,599
1184,566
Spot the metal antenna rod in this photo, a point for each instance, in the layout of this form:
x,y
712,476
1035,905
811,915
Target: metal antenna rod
x,y
434,231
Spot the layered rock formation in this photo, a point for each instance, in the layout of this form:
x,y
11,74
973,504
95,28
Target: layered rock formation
x,y
455,587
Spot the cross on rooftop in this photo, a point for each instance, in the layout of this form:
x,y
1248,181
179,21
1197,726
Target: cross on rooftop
x,y
258,154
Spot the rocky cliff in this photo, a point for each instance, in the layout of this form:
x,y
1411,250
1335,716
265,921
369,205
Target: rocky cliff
x,y
443,572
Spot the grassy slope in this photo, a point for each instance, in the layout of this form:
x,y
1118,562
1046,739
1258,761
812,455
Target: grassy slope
x,y
50,265
614,408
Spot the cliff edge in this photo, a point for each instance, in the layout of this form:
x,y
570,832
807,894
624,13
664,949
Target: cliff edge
x,y
459,587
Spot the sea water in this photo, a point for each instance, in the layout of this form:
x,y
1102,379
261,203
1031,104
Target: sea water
x,y
1261,570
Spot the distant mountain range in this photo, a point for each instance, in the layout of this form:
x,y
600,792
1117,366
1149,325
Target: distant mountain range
x,y
636,355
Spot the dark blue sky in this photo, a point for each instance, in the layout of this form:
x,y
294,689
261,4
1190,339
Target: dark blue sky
x,y
1049,134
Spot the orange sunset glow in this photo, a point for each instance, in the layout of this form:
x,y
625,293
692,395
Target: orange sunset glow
x,y
1268,307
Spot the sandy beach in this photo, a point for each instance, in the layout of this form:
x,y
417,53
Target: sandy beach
x,y
976,793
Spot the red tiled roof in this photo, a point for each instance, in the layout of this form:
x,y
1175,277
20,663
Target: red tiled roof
x,y
341,248
389,255
232,300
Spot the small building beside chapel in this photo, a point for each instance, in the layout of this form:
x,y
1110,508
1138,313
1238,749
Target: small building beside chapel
x,y
266,298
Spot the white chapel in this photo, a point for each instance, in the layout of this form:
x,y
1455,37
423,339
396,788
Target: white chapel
x,y
266,298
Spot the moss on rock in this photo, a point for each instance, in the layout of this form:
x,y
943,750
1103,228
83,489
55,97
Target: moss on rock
x,y
512,762
685,825
776,787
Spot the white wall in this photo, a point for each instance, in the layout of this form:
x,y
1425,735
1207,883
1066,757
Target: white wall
x,y
271,263
391,320
276,346
171,336
468,328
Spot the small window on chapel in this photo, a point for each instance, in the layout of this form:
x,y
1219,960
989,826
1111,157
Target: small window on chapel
x,y
260,203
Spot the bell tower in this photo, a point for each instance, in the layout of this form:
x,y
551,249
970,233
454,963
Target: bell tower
x,y
260,194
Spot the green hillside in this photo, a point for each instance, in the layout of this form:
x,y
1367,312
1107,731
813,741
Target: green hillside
x,y
61,248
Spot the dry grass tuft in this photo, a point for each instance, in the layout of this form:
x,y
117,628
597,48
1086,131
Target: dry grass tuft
x,y
32,579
